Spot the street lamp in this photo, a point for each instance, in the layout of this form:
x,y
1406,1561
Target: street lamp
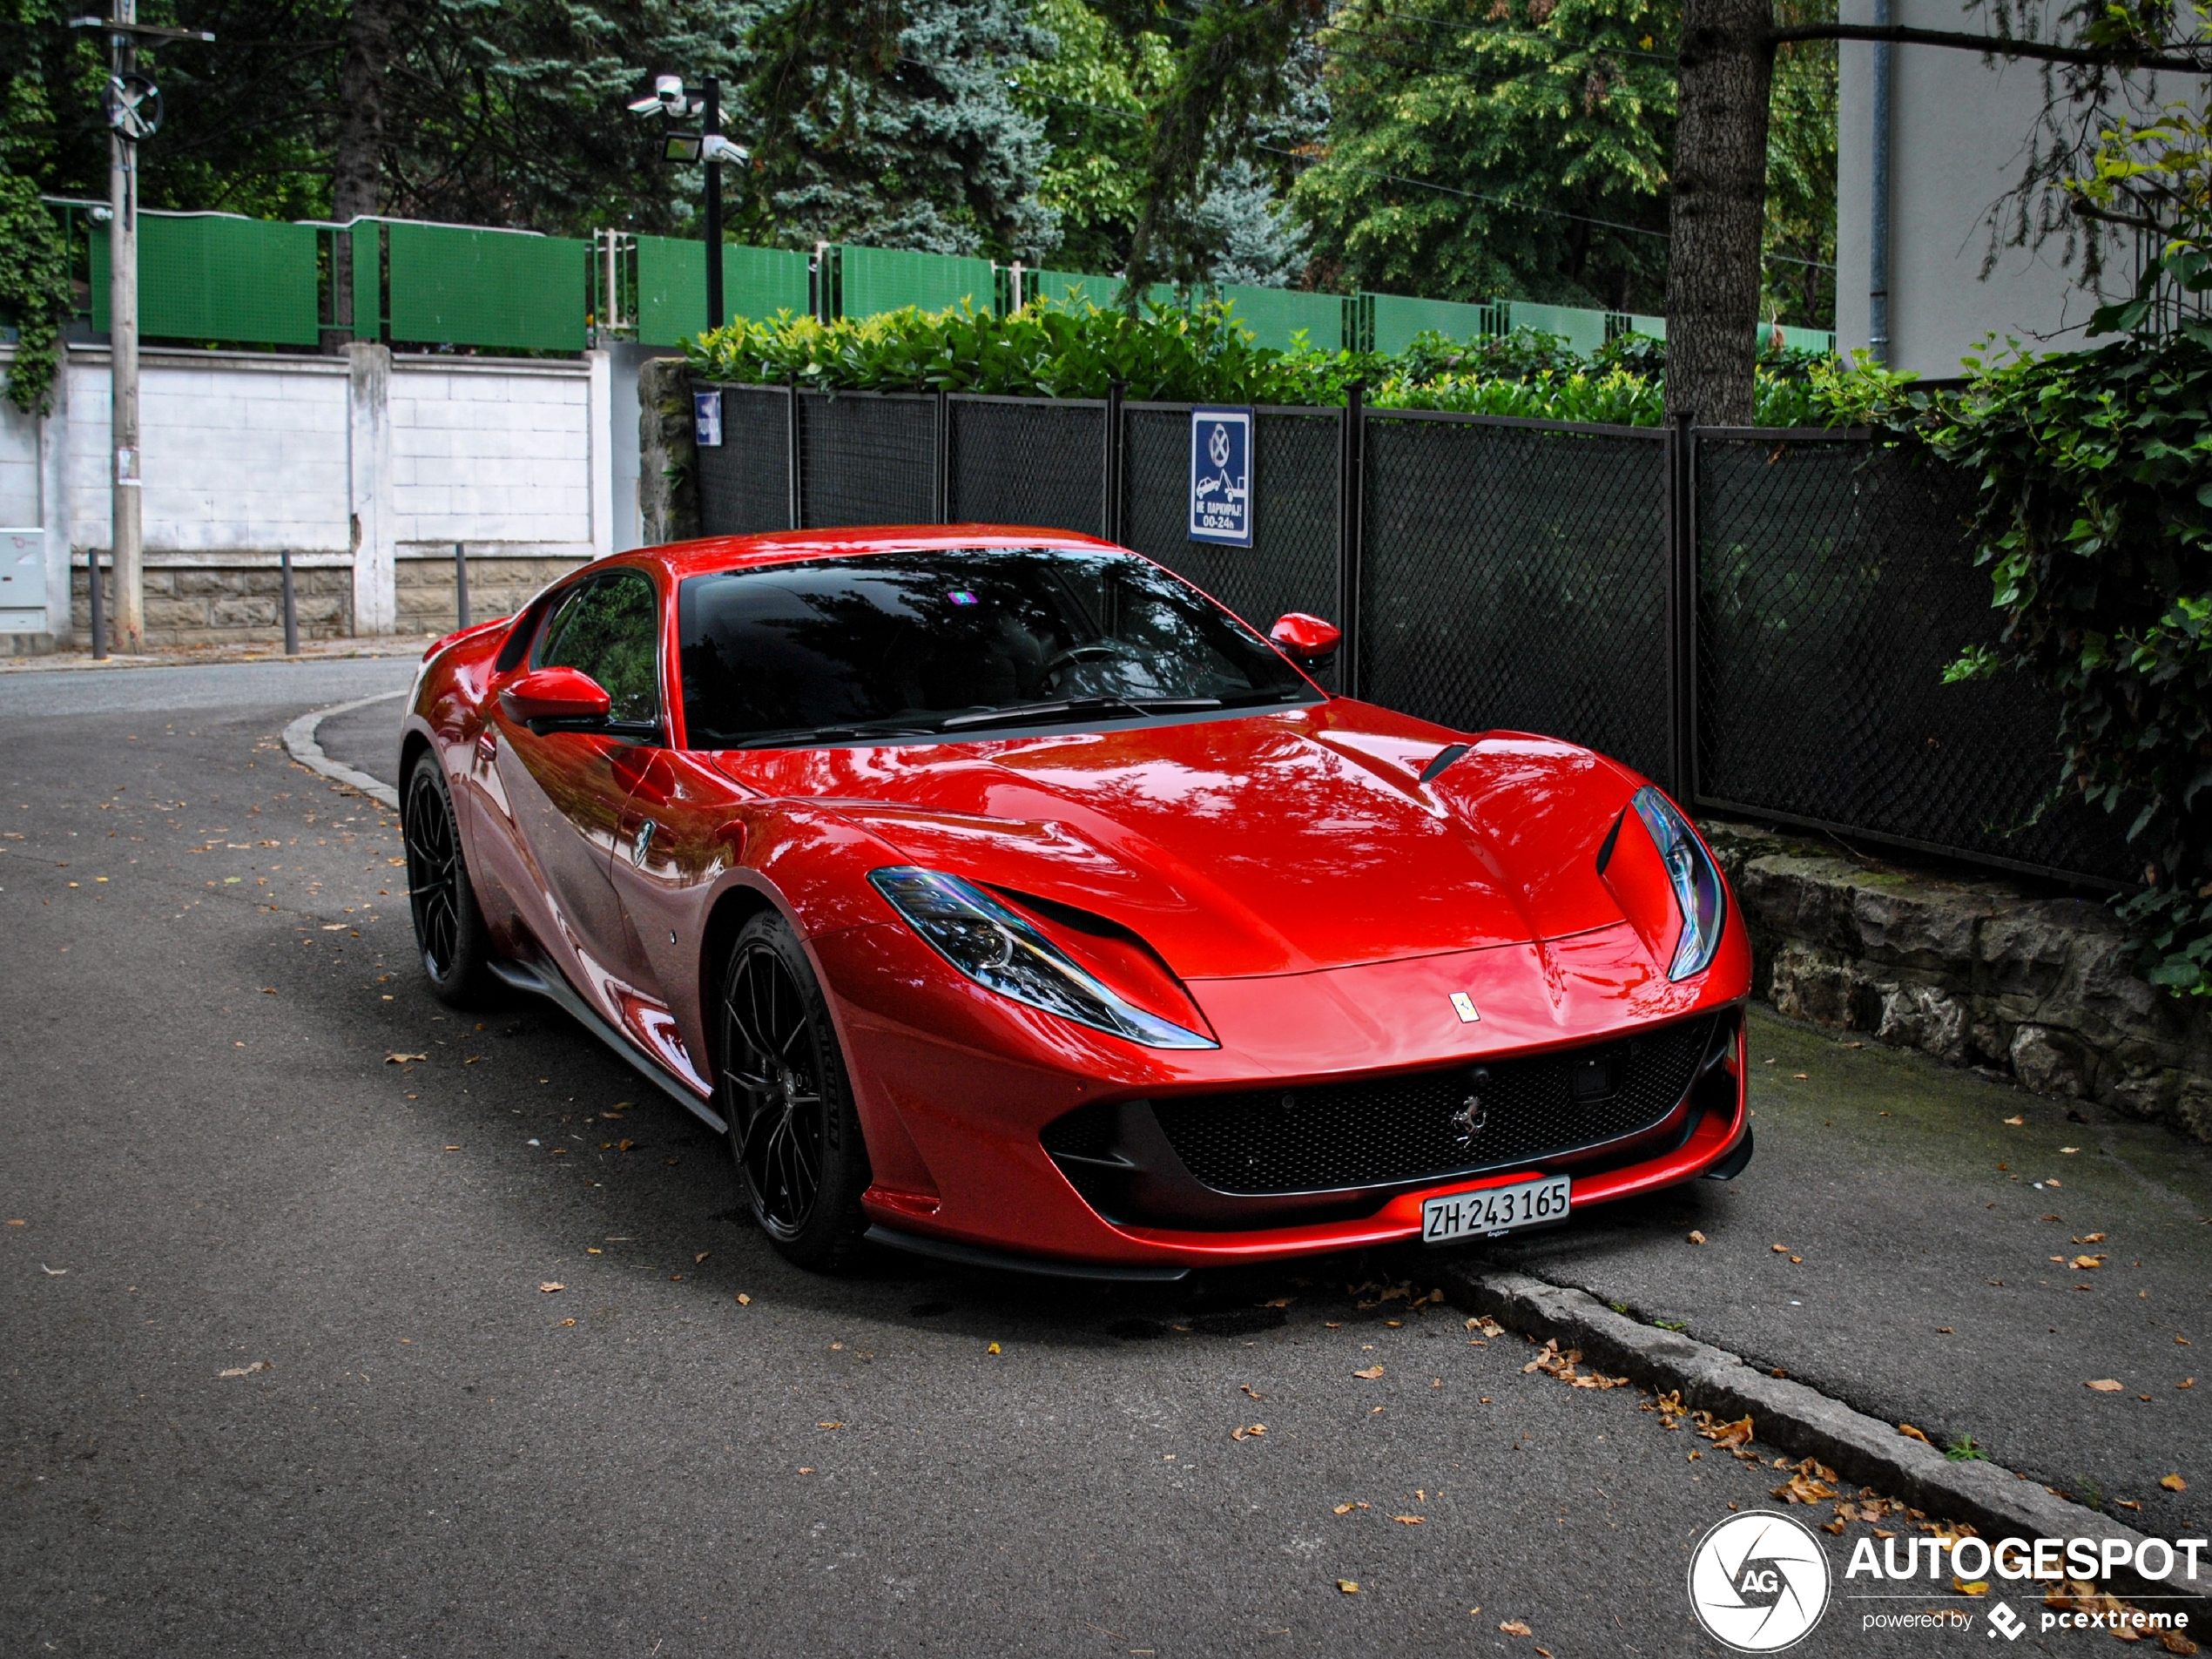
x,y
670,98
132,105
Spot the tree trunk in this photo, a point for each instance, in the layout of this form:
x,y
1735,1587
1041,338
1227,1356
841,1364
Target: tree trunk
x,y
356,184
1719,210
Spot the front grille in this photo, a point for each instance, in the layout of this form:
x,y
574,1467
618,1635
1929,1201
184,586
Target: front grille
x,y
1402,1128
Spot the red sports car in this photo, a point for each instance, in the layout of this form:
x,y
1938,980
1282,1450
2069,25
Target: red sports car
x,y
1002,897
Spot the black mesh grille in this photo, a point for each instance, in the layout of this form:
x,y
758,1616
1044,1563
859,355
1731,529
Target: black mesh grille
x,y
867,458
1401,1128
1835,582
1028,462
1516,577
1291,564
744,483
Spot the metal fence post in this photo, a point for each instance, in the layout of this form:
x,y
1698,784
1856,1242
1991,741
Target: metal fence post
x,y
1351,531
791,394
941,483
460,586
1110,519
100,603
1679,489
291,607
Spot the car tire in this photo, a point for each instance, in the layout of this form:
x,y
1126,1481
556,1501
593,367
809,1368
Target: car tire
x,y
784,1090
450,929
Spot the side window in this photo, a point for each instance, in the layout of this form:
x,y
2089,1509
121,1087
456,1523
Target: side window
x,y
610,629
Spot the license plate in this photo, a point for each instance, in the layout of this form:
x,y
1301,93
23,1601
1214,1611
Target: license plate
x,y
1495,1210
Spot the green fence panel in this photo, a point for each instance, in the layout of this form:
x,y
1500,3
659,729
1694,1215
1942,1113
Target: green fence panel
x,y
1653,327
1585,330
756,283
1071,289
1398,319
452,286
368,280
1276,316
1817,340
213,277
874,280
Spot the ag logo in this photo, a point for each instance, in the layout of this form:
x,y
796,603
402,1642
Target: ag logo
x,y
1758,1581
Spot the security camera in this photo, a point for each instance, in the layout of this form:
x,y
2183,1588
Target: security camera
x,y
667,98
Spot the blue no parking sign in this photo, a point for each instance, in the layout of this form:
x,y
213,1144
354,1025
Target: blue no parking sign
x,y
1221,476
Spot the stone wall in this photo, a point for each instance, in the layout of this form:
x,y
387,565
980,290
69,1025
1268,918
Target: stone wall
x,y
499,585
1976,971
226,604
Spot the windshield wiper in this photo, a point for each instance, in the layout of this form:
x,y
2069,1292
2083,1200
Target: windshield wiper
x,y
800,737
1023,713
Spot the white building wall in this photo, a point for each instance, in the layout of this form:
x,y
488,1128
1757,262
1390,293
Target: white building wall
x,y
1959,133
355,462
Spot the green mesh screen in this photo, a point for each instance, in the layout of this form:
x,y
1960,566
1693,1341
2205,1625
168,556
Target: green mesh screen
x,y
208,277
879,279
368,280
1277,315
1585,330
1398,319
468,287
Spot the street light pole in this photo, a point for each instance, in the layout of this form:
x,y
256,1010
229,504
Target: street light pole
x,y
712,126
127,520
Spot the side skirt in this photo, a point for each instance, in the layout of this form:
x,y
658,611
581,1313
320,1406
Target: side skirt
x,y
551,986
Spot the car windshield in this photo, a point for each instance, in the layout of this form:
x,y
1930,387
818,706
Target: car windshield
x,y
959,641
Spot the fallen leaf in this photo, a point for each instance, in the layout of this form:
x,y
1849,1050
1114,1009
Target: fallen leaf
x,y
548,1286
1800,1076
2103,1386
1972,1586
2068,1151
245,1370
1488,1326
2052,1181
993,1348
2017,1121
1407,1520
1805,1488
829,1426
1249,1389
1725,1434
398,1059
744,1301
1696,1238
2175,1642
1515,1628
1371,1373
1912,1434
1348,1587
1779,1249
1343,1509
1247,1434
452,1149
2173,1483
1278,1302
566,1323
701,1256
2087,1263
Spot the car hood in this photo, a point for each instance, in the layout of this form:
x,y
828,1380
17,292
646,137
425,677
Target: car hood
x,y
1280,842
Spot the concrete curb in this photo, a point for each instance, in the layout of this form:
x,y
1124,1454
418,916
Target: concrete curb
x,y
300,743
1995,1501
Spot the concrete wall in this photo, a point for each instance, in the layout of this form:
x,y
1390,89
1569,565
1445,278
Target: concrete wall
x,y
366,469
1959,129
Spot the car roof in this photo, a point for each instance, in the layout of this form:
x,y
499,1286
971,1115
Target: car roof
x,y
711,553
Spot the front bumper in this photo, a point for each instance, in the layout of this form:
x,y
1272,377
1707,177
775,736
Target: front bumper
x,y
967,1084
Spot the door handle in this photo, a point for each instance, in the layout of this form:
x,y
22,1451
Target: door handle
x,y
641,843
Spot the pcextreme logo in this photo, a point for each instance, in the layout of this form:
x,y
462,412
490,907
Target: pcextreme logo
x,y
1758,1581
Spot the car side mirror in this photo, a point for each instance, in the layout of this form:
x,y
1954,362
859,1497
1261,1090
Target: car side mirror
x,y
547,697
1307,641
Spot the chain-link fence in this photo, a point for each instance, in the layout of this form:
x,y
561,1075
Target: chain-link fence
x,y
1836,581
745,481
1519,574
1028,461
1514,574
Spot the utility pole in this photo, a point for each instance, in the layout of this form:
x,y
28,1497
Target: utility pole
x,y
127,535
132,105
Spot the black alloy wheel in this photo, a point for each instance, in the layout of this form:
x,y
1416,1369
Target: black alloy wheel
x,y
794,1132
448,925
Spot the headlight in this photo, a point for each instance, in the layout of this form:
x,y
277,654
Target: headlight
x,y
1698,892
998,949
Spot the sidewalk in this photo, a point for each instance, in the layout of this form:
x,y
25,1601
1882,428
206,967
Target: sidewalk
x,y
196,655
1899,1244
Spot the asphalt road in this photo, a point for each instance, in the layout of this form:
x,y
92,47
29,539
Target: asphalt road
x,y
283,1372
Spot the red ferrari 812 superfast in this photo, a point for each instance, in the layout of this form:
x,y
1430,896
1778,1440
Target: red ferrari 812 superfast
x,y
999,896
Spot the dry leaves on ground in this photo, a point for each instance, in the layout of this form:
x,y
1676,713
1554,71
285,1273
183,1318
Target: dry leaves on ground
x,y
2173,1483
1370,1373
2103,1386
245,1370
1555,1363
2084,1263
395,1058
1697,1237
1255,1429
1813,1482
1349,1586
1488,1326
1912,1434
1407,1520
1515,1628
